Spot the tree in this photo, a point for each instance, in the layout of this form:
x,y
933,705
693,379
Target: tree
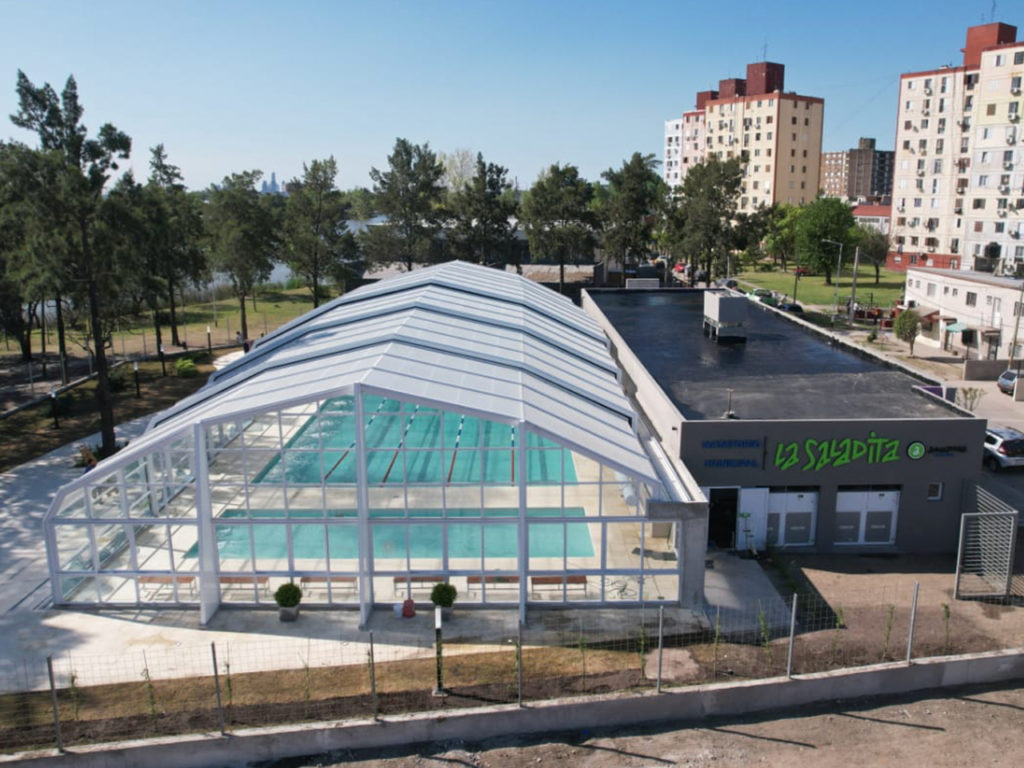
x,y
409,193
906,326
635,193
558,219
700,219
827,218
780,238
241,231
76,202
482,211
874,247
316,234
362,206
459,167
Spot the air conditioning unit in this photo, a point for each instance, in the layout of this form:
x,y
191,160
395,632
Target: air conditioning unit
x,y
1014,118
1015,91
958,209
1015,234
1011,137
900,208
926,112
931,249
920,172
1001,213
1008,166
923,151
1004,188
927,91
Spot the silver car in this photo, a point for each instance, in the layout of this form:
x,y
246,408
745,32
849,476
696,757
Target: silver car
x,y
1004,447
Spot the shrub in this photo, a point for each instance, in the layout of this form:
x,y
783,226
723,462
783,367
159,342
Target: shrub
x,y
288,595
185,368
443,595
118,378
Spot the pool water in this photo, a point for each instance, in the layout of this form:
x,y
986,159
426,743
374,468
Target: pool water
x,y
425,540
473,448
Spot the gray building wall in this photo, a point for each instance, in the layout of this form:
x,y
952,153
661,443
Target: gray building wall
x,y
749,454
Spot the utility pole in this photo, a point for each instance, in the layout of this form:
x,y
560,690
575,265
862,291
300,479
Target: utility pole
x,y
853,285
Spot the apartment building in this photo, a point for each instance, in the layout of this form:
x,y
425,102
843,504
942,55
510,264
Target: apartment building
x,y
861,174
958,182
777,134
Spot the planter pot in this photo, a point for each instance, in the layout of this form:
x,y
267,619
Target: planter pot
x,y
288,614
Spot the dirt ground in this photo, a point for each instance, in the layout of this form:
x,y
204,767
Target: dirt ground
x,y
976,726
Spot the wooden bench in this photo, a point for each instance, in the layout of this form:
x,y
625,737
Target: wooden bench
x,y
495,583
348,583
554,583
417,584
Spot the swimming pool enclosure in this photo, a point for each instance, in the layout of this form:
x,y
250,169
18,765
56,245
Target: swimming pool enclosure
x,y
369,492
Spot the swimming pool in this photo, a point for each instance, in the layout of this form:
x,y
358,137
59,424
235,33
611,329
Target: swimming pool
x,y
412,440
389,541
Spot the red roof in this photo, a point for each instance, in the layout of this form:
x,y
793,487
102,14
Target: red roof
x,y
872,210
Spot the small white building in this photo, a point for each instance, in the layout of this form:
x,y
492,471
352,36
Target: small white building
x,y
972,313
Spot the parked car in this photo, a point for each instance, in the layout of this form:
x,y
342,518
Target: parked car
x,y
791,306
730,283
1006,381
1004,447
801,271
759,292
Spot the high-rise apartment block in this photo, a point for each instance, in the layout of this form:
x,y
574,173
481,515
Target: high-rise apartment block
x,y
861,174
958,184
777,134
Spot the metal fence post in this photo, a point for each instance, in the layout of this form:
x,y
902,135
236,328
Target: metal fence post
x,y
216,685
792,636
913,618
519,662
373,681
53,701
661,640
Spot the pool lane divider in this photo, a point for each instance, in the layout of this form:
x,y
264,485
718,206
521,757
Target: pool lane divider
x,y
353,443
401,442
455,450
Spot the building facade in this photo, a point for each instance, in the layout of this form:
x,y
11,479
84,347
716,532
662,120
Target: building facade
x,y
861,174
777,135
958,186
975,314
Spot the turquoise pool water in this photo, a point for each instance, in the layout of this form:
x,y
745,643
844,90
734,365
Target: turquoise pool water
x,y
473,448
464,540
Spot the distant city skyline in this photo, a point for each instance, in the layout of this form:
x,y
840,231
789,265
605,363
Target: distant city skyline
x,y
231,86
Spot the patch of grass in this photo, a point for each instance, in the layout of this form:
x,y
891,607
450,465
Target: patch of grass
x,y
812,289
30,433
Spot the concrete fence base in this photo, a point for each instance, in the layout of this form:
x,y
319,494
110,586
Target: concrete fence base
x,y
689,704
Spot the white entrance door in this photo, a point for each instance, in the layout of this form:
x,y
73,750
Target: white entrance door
x,y
752,518
866,516
792,516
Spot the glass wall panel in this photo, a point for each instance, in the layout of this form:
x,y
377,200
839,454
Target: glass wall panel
x,y
303,467
185,547
271,544
78,589
463,497
182,503
234,547
426,548
386,502
263,466
262,432
309,547
547,546
74,550
105,499
501,547
228,466
152,548
465,546
343,547
113,548
73,505
623,545
340,501
390,547
116,589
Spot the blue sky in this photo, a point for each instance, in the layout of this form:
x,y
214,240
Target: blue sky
x,y
228,86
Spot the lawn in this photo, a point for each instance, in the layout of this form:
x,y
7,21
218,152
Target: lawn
x,y
811,289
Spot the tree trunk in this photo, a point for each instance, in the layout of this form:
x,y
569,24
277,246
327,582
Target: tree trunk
x,y
174,313
561,274
828,276
245,324
42,333
157,331
103,401
25,339
316,291
253,303
878,270
62,344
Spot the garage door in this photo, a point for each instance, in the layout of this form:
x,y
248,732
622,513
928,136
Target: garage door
x,y
792,516
866,515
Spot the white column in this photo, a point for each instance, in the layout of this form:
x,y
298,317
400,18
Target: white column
x,y
363,513
209,585
524,536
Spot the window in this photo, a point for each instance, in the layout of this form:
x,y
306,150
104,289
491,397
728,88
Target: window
x,y
1018,57
956,291
982,182
934,491
990,109
794,119
971,298
978,203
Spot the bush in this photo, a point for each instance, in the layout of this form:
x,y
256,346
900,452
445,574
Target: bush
x,y
185,368
118,378
443,595
288,595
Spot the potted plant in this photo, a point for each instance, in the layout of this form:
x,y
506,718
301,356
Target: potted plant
x,y
444,595
288,596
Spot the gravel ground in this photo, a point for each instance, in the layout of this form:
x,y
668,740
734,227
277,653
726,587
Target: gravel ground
x,y
976,726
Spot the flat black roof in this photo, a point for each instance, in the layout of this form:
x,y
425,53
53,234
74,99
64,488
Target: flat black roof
x,y
783,371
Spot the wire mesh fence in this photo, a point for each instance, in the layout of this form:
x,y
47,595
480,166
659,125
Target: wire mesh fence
x,y
73,699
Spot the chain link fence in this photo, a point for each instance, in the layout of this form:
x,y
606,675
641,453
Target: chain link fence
x,y
74,699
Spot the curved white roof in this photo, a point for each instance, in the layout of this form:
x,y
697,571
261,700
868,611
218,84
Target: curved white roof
x,y
458,336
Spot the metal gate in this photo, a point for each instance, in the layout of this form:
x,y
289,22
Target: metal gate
x,y
984,566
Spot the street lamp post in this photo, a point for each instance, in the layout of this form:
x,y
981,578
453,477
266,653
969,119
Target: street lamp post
x,y
209,341
839,269
135,369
